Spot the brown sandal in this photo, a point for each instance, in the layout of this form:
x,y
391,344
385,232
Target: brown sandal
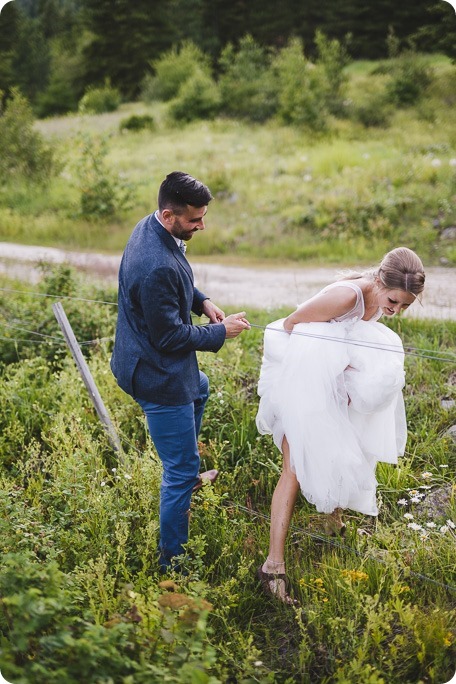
x,y
267,577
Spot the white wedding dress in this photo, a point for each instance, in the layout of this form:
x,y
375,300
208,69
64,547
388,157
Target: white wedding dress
x,y
335,390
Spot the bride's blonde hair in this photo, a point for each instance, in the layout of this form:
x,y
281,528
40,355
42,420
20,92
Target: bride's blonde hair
x,y
400,269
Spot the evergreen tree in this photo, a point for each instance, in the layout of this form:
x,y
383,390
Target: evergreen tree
x,y
8,31
126,36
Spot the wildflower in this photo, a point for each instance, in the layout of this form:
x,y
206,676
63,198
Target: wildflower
x,y
127,476
451,524
424,535
431,525
444,465
436,163
452,162
355,575
114,470
415,499
425,487
448,639
258,663
102,483
415,526
307,178
402,502
222,401
426,475
219,394
409,516
444,529
413,492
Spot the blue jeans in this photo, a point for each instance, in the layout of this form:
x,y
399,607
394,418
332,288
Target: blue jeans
x,y
174,431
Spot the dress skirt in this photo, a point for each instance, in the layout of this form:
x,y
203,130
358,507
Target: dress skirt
x,y
335,391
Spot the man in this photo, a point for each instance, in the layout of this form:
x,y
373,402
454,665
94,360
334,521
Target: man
x,y
154,358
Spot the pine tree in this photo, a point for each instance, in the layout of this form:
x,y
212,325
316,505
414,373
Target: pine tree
x,y
126,36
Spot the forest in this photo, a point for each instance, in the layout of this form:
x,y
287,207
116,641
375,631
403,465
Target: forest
x,y
53,50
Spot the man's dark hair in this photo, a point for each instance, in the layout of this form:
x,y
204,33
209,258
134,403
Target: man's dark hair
x,y
179,189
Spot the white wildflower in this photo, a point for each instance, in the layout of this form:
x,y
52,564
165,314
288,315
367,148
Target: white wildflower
x,y
307,178
415,526
444,465
415,499
127,476
426,475
409,516
431,525
451,524
425,487
402,502
436,163
444,529
258,663
452,162
102,484
114,470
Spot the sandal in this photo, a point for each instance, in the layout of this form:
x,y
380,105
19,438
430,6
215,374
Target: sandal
x,y
265,580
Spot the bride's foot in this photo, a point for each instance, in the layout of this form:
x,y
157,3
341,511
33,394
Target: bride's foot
x,y
334,525
274,581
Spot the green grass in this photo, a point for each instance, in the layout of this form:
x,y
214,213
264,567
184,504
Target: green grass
x,y
280,192
79,583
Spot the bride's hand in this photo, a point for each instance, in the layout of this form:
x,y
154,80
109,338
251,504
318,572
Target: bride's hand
x,y
288,325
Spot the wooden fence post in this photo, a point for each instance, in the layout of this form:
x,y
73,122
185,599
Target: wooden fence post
x,y
88,379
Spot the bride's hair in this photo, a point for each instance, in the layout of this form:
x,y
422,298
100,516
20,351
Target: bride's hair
x,y
400,269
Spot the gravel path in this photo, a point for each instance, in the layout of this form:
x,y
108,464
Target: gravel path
x,y
233,287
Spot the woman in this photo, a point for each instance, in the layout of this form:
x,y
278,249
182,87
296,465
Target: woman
x,y
331,396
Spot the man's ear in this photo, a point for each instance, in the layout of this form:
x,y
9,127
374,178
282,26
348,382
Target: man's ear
x,y
167,215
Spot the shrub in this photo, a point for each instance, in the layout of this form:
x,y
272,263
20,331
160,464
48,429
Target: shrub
x,y
333,58
100,100
102,193
246,86
301,91
172,70
198,98
373,112
137,122
410,76
23,151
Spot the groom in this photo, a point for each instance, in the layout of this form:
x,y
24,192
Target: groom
x,y
154,358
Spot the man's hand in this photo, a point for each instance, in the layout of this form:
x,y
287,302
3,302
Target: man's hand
x,y
214,314
235,324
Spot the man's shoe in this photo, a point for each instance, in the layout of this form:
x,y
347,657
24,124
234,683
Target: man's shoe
x,y
209,476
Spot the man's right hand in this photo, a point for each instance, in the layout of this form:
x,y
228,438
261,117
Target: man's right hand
x,y
235,324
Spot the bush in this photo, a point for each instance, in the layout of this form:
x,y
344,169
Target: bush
x,y
411,75
23,151
333,58
301,89
246,86
172,70
198,98
100,100
137,122
103,194
373,112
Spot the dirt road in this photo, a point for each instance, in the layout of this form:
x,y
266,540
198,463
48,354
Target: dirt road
x,y
233,287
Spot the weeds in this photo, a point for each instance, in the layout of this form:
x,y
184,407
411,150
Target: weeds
x,y
80,592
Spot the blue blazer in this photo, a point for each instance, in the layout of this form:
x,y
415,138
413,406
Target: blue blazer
x,y
155,346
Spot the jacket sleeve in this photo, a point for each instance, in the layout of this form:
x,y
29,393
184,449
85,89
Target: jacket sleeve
x,y
198,299
166,313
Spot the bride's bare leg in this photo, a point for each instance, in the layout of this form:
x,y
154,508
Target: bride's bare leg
x,y
282,507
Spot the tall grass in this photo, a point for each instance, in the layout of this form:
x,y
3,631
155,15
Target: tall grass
x,y
80,594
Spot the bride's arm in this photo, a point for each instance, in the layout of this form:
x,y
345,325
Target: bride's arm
x,y
324,306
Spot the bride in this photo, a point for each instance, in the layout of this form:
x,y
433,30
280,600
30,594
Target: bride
x,y
331,397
